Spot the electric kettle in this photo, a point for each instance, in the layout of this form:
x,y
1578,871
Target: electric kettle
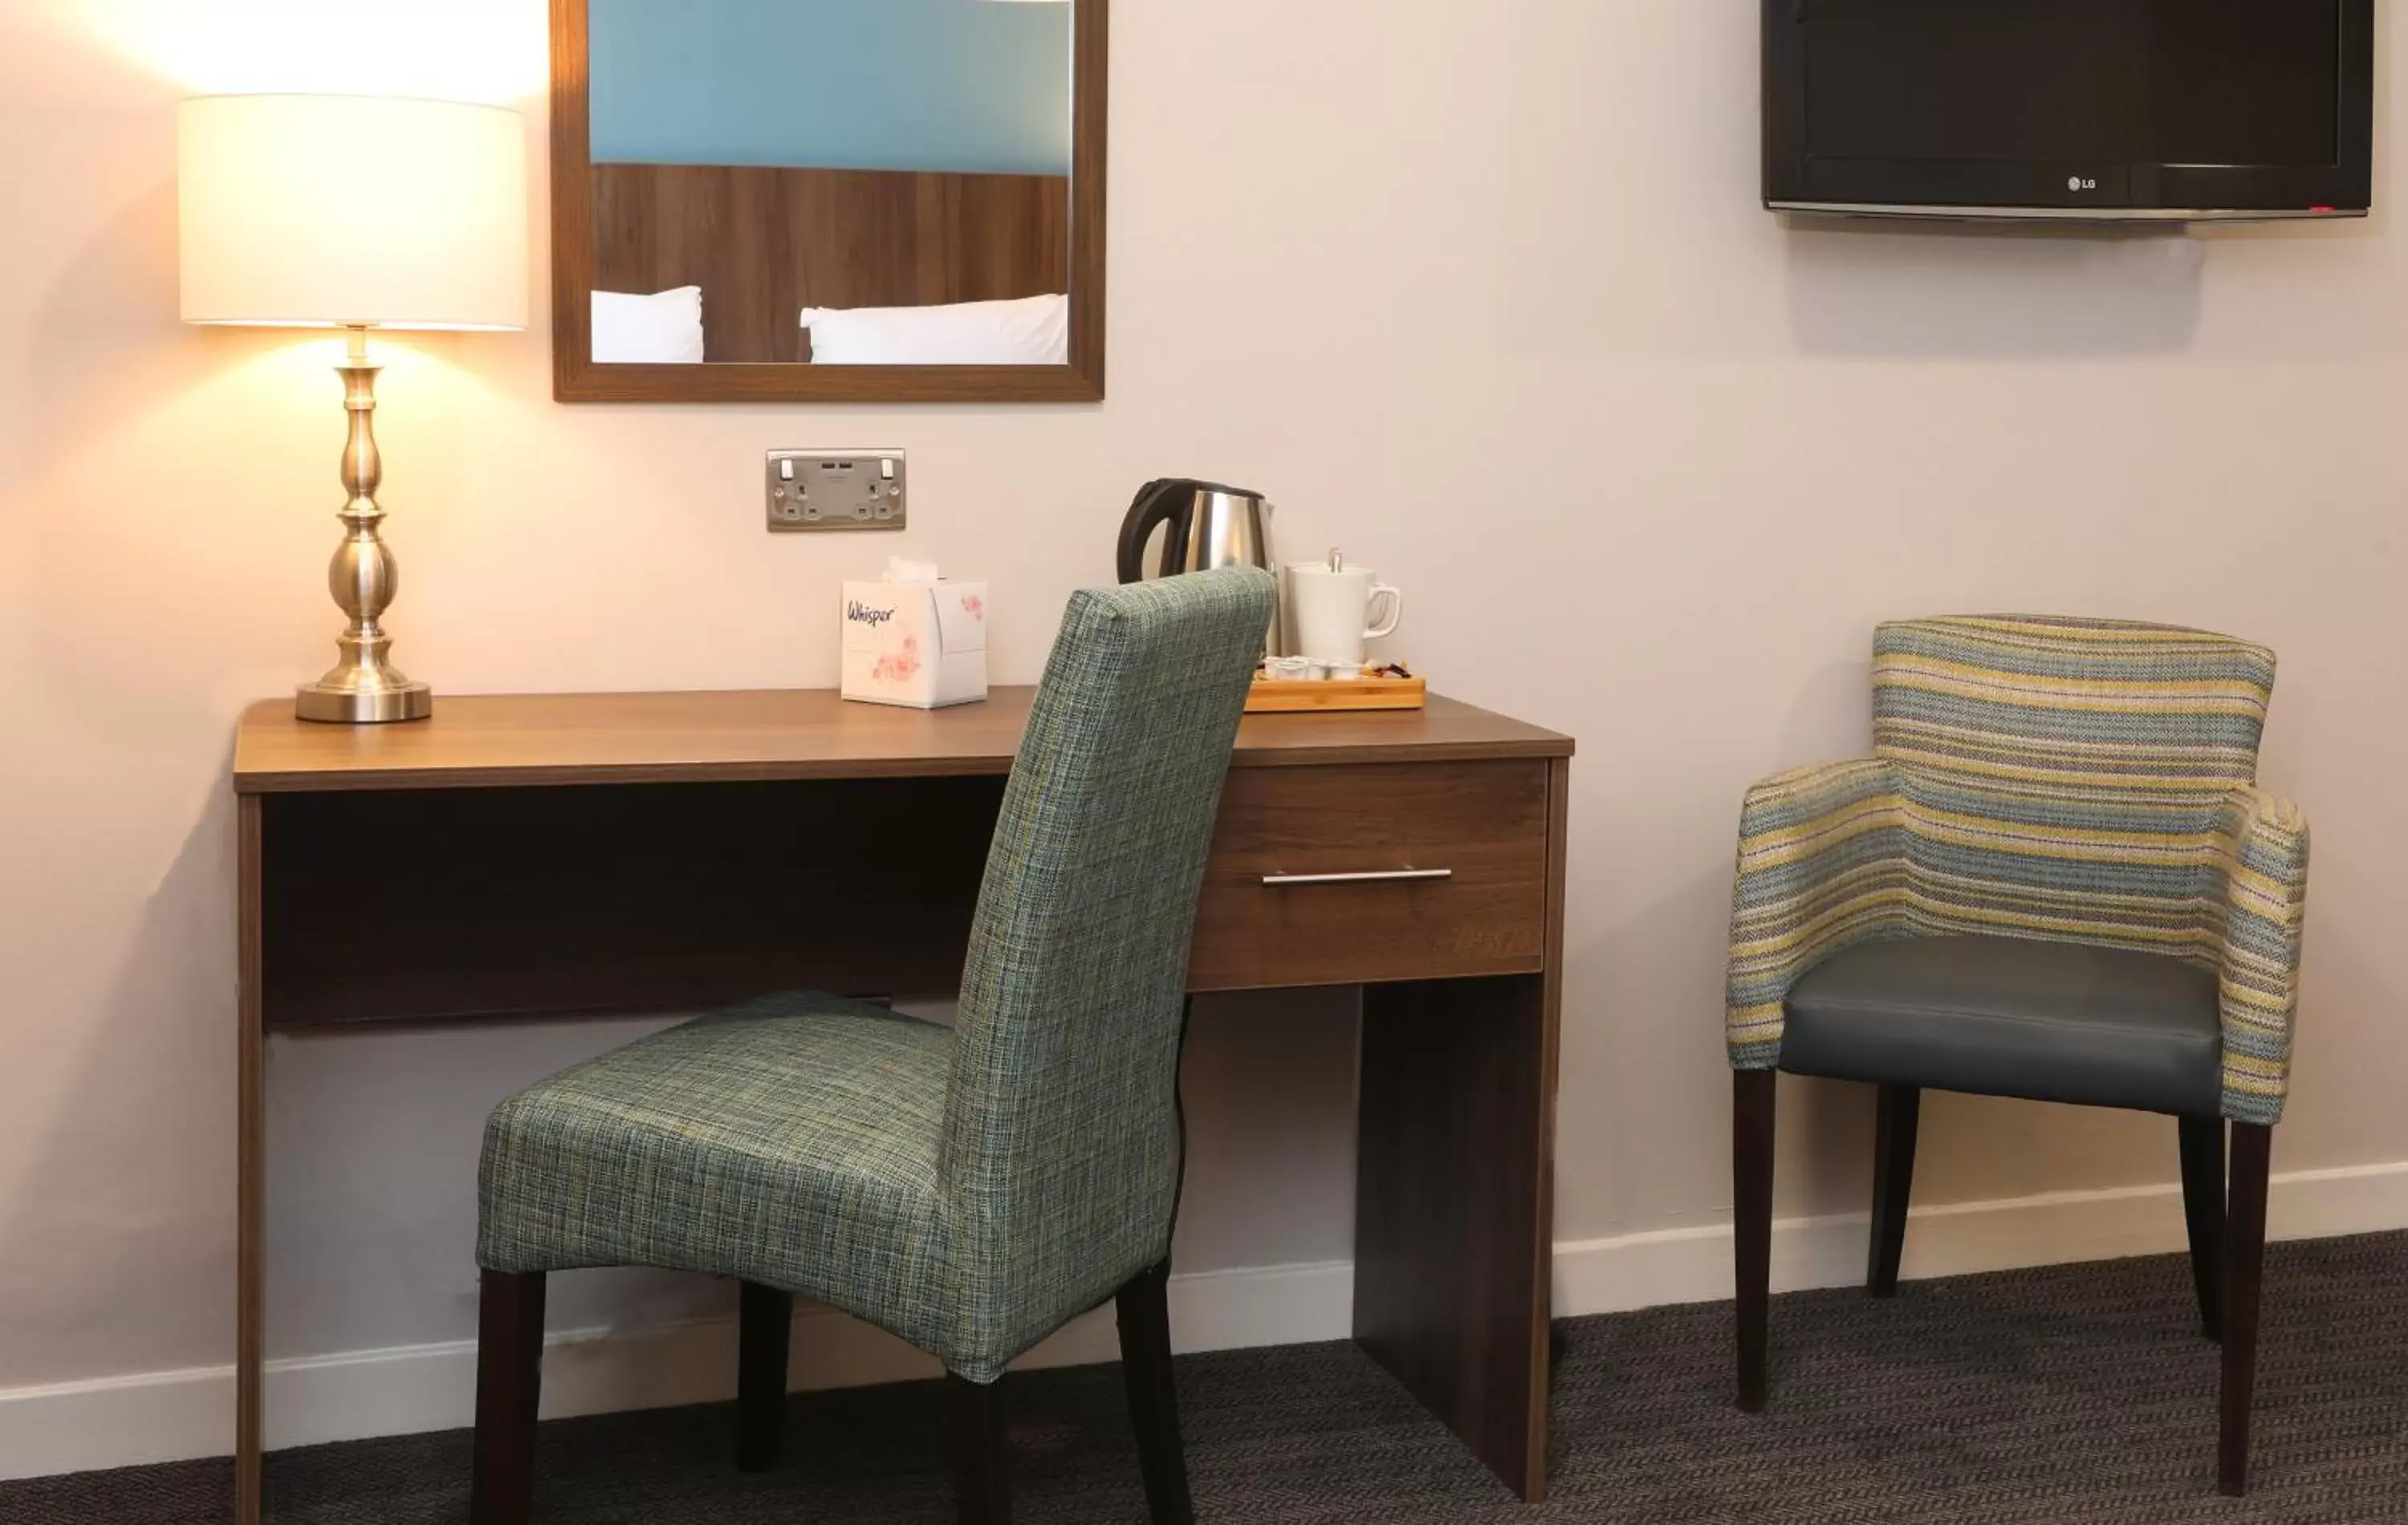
x,y
1208,525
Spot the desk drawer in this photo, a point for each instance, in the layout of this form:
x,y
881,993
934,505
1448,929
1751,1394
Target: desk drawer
x,y
1342,875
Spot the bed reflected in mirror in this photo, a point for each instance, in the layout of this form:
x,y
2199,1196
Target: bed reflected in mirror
x,y
835,187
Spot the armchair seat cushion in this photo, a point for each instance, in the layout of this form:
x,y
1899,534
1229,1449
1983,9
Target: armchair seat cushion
x,y
791,1141
2014,1016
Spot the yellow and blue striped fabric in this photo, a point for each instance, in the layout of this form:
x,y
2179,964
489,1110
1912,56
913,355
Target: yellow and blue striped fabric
x,y
2084,781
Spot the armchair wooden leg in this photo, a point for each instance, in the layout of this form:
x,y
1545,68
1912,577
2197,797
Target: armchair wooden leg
x,y
509,1381
2202,1178
765,1325
981,1459
1900,1110
2244,1250
1752,1099
1144,1307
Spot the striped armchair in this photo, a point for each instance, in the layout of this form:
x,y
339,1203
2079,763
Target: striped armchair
x,y
2056,879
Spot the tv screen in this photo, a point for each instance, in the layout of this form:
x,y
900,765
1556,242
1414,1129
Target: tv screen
x,y
2105,108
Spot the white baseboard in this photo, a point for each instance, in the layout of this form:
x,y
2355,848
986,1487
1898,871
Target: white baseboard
x,y
178,1415
2059,1227
312,1401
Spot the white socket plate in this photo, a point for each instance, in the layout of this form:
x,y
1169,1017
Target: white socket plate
x,y
811,491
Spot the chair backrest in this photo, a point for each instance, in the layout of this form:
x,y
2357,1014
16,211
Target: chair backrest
x,y
1058,1156
2064,778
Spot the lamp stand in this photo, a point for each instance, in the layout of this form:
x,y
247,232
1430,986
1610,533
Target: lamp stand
x,y
364,688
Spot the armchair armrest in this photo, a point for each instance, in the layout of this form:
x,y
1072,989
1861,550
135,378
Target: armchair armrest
x,y
2264,850
1822,865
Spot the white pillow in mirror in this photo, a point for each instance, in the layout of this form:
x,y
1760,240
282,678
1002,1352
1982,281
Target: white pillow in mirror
x,y
665,329
1031,331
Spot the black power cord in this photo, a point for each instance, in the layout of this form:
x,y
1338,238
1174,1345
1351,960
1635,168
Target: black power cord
x,y
1178,1110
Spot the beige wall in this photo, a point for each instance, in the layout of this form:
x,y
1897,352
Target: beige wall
x,y
1481,296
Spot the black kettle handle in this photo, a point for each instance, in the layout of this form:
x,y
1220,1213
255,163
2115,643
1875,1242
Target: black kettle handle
x,y
1157,502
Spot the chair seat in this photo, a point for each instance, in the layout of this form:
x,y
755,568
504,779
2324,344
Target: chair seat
x,y
791,1140
2014,1016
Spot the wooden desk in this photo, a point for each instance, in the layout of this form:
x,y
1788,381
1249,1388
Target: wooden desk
x,y
518,858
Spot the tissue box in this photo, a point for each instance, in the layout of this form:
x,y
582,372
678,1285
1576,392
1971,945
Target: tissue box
x,y
922,645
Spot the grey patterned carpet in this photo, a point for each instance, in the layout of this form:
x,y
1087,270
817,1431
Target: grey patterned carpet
x,y
2076,1394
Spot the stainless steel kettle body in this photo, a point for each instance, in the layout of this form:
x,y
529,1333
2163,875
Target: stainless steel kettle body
x,y
1205,526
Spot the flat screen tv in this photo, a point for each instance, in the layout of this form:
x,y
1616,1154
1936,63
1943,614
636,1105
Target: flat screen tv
x,y
2098,110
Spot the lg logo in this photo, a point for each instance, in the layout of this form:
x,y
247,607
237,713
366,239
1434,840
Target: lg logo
x,y
2078,183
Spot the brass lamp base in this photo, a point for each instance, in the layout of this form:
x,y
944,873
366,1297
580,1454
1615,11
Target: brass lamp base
x,y
365,687
336,706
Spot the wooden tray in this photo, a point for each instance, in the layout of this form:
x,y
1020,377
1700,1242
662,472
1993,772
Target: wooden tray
x,y
1274,698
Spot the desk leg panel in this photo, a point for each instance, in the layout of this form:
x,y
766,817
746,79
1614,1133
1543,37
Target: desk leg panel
x,y
1454,1208
250,1268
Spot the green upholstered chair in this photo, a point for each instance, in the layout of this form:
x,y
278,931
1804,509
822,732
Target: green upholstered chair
x,y
2055,880
970,1191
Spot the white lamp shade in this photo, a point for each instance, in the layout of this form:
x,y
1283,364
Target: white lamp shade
x,y
329,210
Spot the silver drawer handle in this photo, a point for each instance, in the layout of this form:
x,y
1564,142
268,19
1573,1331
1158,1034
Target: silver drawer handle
x,y
1393,876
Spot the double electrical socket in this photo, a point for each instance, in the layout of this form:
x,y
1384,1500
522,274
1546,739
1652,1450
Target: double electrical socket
x,y
811,490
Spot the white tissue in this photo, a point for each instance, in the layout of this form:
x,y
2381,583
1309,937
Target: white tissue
x,y
904,569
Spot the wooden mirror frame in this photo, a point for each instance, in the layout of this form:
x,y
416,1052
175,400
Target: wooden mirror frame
x,y
575,377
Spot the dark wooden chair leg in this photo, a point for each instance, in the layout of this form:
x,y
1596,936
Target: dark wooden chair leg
x,y
2244,1250
1751,1099
509,1381
1899,1112
2202,1178
981,1459
1144,1307
765,1324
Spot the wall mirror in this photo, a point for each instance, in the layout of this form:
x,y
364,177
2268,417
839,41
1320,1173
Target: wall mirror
x,y
828,200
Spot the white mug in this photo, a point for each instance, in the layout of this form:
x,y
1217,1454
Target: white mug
x,y
1334,611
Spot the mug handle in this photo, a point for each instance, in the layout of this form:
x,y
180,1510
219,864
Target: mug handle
x,y
1396,612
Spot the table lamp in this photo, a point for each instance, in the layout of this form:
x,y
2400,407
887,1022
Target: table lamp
x,y
329,212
